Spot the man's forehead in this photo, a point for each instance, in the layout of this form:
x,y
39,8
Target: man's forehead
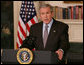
x,y
45,9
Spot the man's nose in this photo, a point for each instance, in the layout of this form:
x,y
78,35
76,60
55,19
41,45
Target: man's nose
x,y
45,15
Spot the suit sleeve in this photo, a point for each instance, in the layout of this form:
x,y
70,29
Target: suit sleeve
x,y
64,40
31,31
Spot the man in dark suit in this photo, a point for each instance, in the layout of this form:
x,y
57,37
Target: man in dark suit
x,y
56,38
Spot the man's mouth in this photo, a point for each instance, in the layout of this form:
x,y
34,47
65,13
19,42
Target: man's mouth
x,y
45,19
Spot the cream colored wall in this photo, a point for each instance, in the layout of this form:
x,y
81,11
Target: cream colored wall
x,y
60,3
17,5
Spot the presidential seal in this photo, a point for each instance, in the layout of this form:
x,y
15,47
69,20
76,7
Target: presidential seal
x,y
24,56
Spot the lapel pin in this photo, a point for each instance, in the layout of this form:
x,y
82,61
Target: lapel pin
x,y
54,31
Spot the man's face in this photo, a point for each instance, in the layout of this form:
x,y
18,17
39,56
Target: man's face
x,y
46,14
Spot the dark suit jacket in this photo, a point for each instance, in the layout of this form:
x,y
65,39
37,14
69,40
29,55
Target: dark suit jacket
x,y
58,36
57,39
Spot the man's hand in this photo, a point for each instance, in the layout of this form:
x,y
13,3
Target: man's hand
x,y
60,54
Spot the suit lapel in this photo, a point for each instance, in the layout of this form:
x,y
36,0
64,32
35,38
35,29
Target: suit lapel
x,y
41,37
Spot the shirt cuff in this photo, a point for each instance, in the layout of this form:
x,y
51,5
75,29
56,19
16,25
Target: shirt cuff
x,y
61,50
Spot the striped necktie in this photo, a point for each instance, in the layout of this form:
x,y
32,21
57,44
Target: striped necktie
x,y
45,35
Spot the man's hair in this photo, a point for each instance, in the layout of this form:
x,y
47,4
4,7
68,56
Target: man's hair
x,y
46,5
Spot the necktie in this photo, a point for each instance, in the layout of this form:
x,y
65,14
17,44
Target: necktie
x,y
45,35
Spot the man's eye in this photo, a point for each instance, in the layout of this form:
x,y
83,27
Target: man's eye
x,y
47,12
42,13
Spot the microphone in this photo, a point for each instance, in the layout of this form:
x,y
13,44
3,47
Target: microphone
x,y
29,42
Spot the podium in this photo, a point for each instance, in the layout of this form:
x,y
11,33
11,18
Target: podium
x,y
9,56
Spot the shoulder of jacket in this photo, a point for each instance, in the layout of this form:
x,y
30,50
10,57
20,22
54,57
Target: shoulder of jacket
x,y
60,23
